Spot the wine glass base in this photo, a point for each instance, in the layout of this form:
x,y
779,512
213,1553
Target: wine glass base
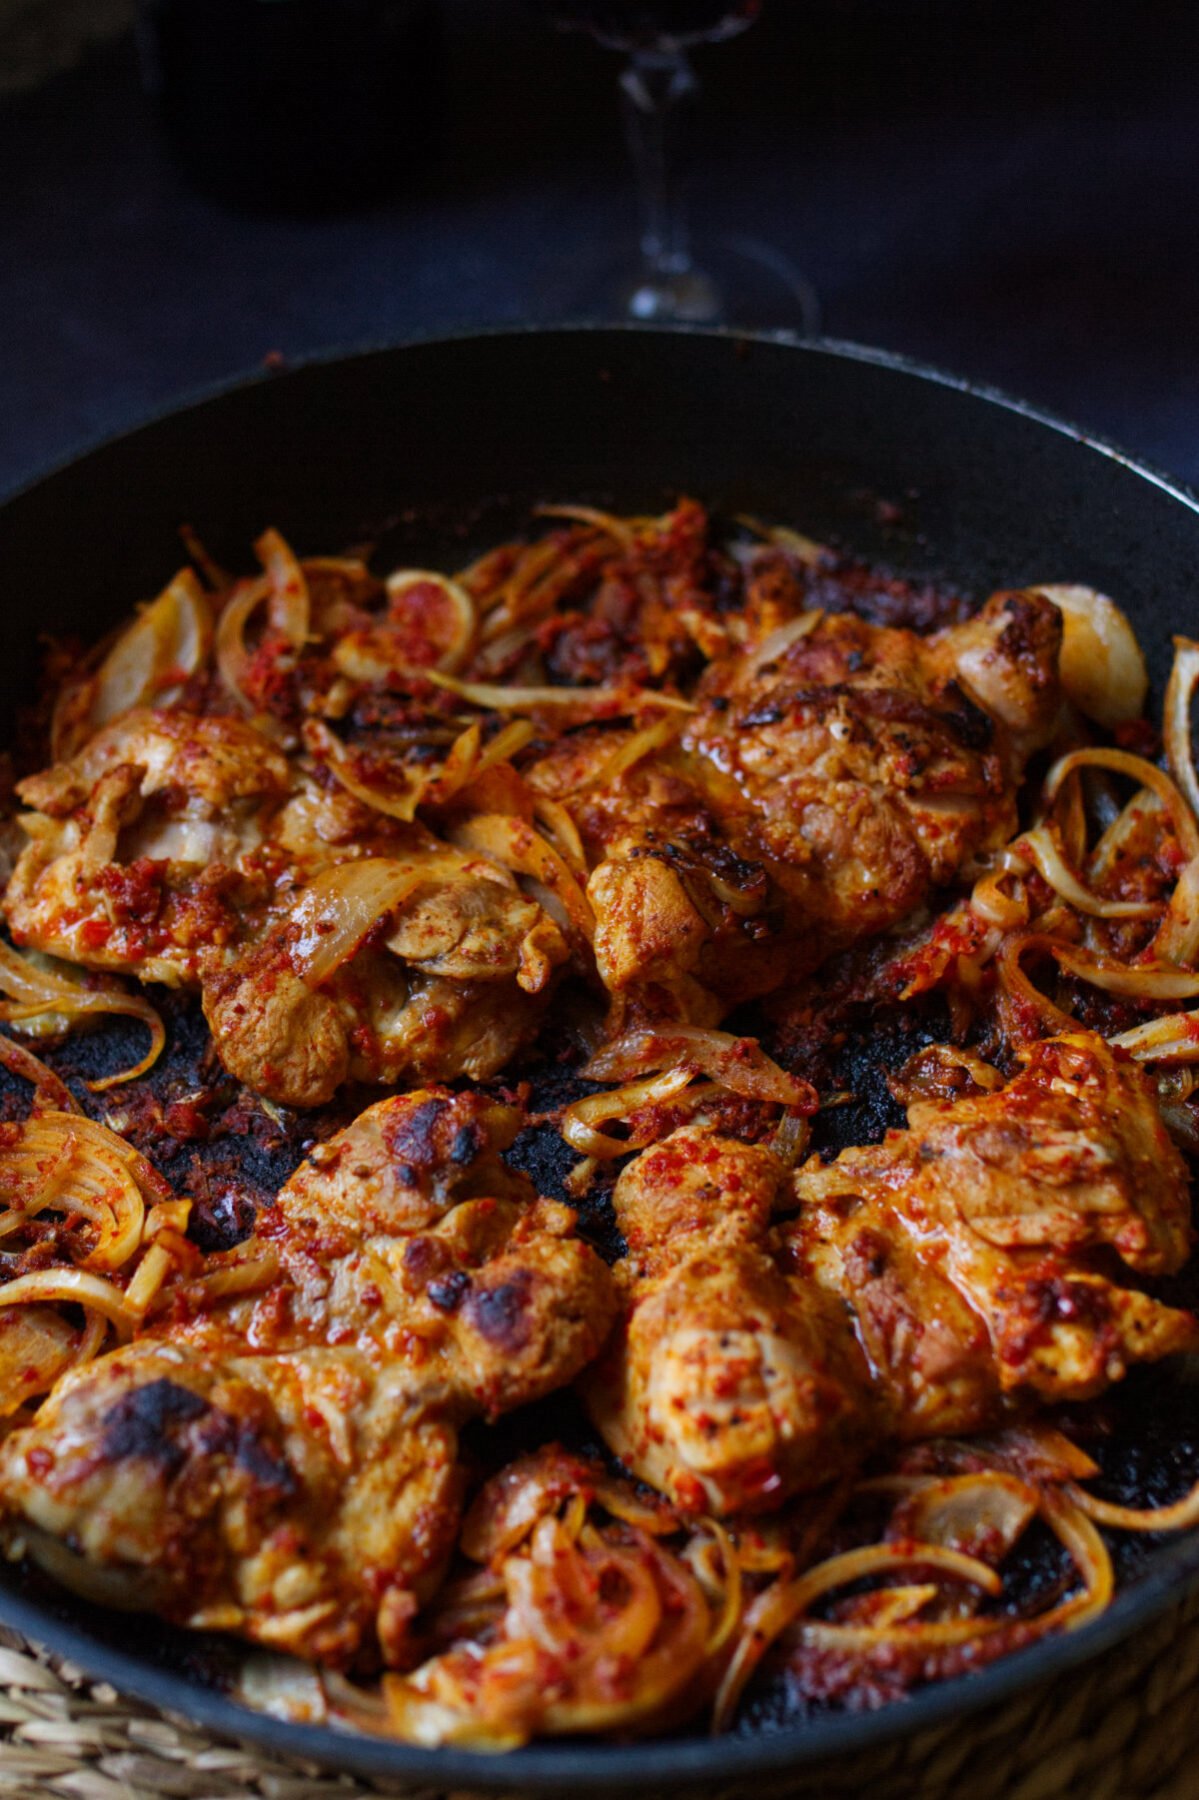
x,y
734,281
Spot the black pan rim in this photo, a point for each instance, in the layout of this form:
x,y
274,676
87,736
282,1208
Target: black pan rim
x,y
669,1764
844,349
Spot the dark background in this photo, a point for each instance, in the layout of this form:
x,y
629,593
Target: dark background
x,y
1009,191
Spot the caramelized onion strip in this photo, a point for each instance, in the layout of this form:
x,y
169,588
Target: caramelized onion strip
x,y
517,846
611,700
338,910
73,1287
1172,1039
49,1089
1144,773
1180,691
33,992
580,1120
738,1064
1180,1515
1039,847
787,1599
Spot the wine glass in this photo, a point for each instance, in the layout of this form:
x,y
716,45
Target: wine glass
x,y
740,280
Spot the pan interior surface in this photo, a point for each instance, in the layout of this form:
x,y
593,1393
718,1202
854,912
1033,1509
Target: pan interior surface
x,y
436,450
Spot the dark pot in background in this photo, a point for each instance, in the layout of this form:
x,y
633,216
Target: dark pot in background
x,y
295,105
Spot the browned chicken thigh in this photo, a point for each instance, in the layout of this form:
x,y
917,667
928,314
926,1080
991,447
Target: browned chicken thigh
x,y
927,1286
729,1385
1025,1201
187,849
421,966
831,777
143,850
285,1464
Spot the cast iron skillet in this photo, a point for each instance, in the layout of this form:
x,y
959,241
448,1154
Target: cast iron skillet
x,y
450,441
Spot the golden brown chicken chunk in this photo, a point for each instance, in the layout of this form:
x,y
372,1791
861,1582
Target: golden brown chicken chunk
x,y
422,968
927,1285
306,1501
1020,1201
142,849
820,792
729,1385
188,849
284,1464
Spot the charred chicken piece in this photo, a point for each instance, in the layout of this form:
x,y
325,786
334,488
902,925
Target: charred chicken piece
x,y
821,791
981,1247
141,848
306,1501
422,967
729,1384
284,1464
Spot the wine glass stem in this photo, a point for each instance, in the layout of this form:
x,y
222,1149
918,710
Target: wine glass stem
x,y
656,89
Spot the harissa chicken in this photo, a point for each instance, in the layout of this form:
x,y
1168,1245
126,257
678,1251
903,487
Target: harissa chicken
x,y
616,844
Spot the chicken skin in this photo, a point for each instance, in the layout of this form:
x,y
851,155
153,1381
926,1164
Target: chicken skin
x,y
817,795
284,1463
1024,1201
926,1287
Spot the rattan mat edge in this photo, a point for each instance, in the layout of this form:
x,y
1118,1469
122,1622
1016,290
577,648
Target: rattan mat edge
x,y
1126,1727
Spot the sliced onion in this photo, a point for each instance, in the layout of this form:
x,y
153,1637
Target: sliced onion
x,y
75,1168
580,1119
805,549
341,907
510,739
1145,774
623,531
1039,847
148,1278
1177,939
165,645
1009,963
1074,1531
1180,1515
49,1090
90,1133
611,700
72,1287
561,829
246,1270
738,1064
778,642
455,642
600,1635
785,1600
35,990
1180,690
514,844
1173,1039
993,906
790,1139
1103,671
232,656
390,787
982,1514
1106,853
528,591
636,748
289,607
1143,981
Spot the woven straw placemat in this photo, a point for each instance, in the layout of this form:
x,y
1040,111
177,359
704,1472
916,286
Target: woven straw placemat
x,y
1126,1727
